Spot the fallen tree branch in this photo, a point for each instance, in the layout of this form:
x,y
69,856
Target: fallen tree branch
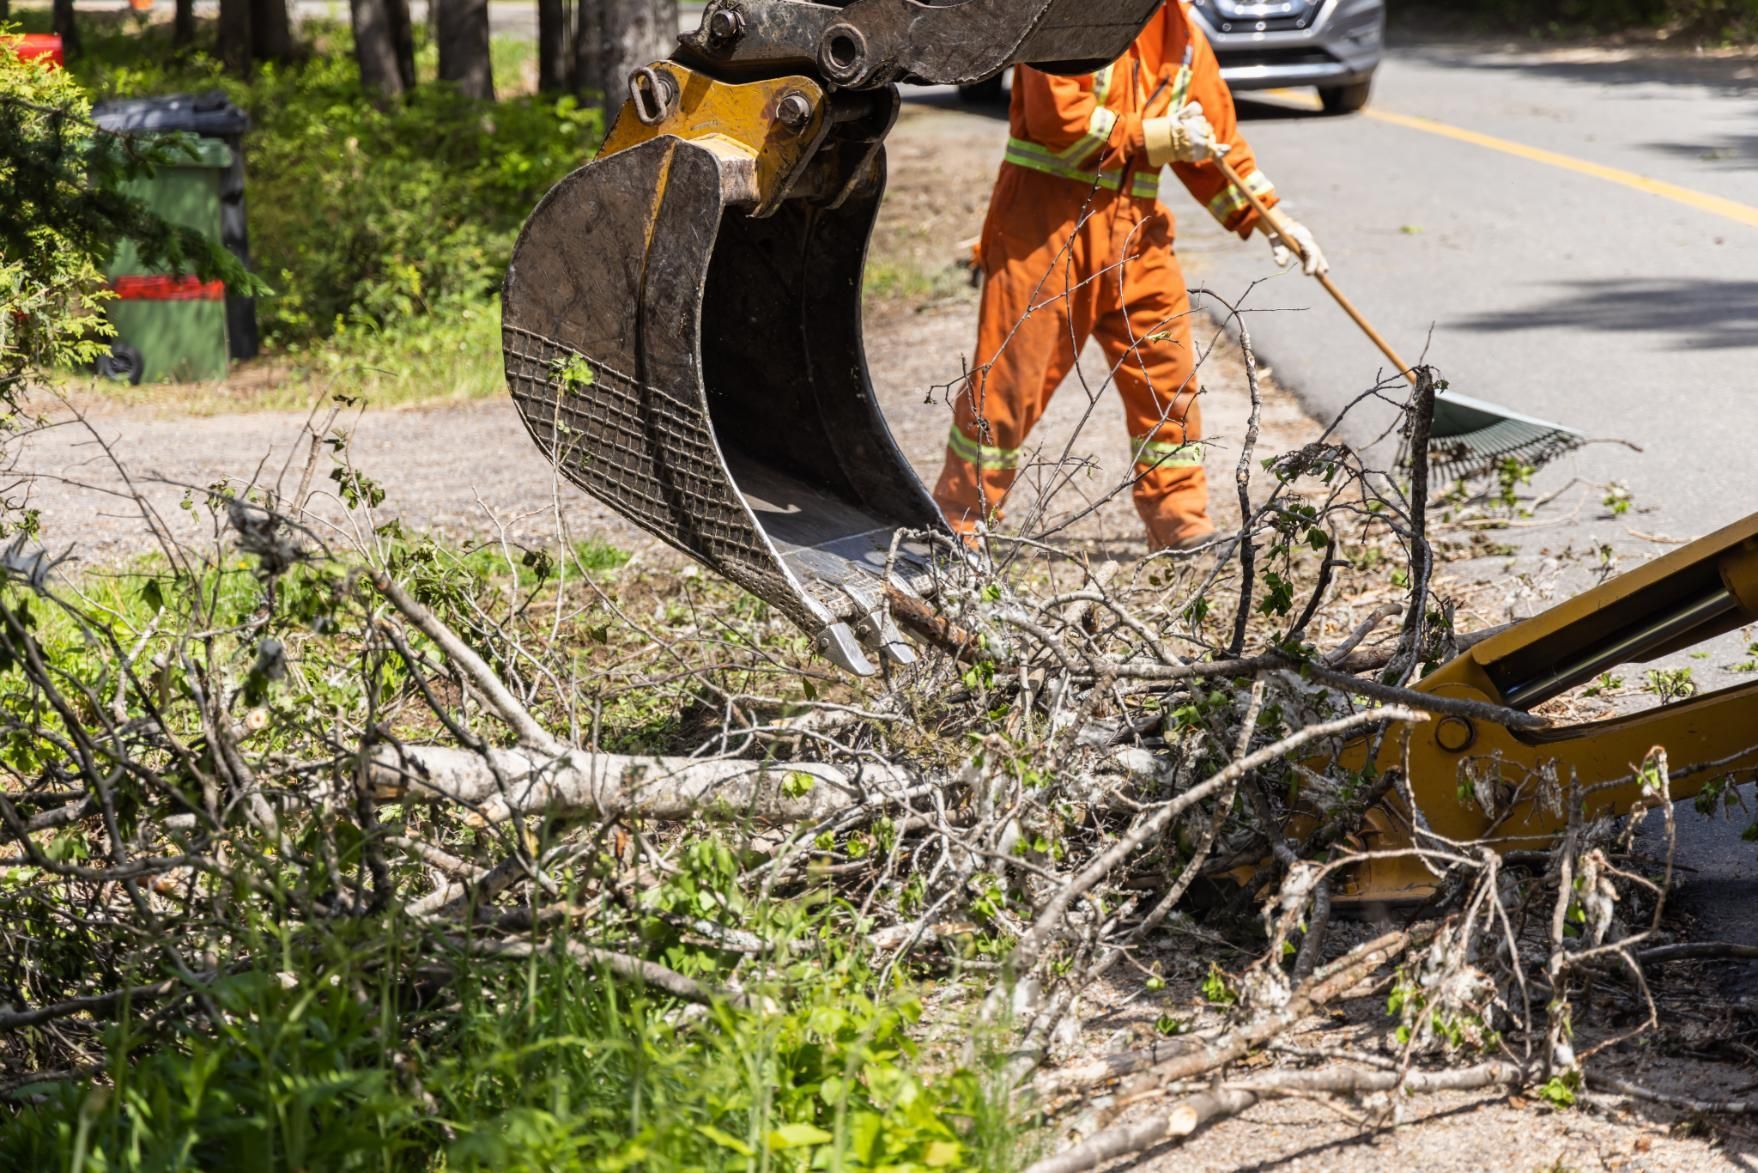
x,y
1031,945
1635,1091
1696,951
606,785
1189,1116
1177,1059
477,672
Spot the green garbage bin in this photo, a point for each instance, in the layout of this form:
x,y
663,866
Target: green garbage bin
x,y
171,327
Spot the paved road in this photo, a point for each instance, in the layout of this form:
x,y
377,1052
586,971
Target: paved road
x,y
1568,295
1557,278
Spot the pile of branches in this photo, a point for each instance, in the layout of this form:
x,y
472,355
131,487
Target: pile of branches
x,y
1099,755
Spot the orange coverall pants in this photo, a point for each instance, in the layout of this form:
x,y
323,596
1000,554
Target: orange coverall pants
x,y
1064,265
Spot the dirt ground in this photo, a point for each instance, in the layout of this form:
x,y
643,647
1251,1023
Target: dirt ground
x,y
471,471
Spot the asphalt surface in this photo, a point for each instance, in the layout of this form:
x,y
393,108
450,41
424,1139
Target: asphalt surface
x,y
1566,288
1568,296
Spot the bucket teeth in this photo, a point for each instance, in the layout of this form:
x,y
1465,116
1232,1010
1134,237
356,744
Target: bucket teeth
x,y
875,628
837,643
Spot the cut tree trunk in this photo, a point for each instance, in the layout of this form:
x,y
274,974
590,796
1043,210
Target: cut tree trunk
x,y
271,32
552,44
234,37
462,33
65,27
612,39
375,48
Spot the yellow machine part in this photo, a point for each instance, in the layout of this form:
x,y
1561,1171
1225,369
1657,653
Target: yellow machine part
x,y
1476,780
738,121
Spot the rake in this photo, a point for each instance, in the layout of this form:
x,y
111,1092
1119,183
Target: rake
x,y
1469,437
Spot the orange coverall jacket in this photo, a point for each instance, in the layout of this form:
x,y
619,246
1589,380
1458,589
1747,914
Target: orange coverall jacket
x,y
1077,245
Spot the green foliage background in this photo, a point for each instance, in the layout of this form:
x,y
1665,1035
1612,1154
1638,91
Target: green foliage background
x,y
61,213
362,216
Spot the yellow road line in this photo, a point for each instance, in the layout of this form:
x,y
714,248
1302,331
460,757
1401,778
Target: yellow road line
x,y
1715,205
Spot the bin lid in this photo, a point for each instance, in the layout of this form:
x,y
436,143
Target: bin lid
x,y
210,114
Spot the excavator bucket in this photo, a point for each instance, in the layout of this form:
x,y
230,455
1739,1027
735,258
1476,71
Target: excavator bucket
x,y
681,318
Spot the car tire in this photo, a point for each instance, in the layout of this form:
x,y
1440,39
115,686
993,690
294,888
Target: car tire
x,y
123,364
1345,99
983,93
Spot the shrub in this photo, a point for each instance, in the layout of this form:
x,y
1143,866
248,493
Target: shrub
x,y
362,214
63,211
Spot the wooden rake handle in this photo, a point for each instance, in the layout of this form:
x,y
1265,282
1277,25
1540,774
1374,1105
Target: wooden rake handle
x,y
1324,279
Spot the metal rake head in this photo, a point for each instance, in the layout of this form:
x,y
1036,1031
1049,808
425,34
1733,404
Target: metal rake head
x,y
1473,438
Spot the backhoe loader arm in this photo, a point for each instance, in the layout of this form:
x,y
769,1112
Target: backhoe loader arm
x,y
681,321
1476,780
869,43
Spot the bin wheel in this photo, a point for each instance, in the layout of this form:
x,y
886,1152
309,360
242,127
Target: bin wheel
x,y
122,365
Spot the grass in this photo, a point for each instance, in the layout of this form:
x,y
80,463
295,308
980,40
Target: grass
x,y
903,280
450,356
318,1059
373,1041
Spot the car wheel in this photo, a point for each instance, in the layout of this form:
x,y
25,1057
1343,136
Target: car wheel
x,y
1345,99
123,364
983,93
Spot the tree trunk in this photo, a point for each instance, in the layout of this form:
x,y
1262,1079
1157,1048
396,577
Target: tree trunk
x,y
271,32
375,48
62,23
183,24
552,44
462,34
234,34
612,39
403,37
5,9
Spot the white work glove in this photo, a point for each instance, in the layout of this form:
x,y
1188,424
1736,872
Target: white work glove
x,y
1185,137
1277,226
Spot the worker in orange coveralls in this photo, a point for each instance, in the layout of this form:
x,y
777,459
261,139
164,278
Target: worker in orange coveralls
x,y
1076,236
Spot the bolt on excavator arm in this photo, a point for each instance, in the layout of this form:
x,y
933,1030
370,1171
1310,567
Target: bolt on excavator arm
x,y
681,321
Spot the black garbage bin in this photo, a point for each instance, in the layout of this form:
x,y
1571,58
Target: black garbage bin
x,y
210,115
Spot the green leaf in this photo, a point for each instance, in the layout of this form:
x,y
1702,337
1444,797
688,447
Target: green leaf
x,y
798,1135
725,1140
942,1154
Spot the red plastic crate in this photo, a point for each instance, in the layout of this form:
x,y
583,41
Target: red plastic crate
x,y
33,45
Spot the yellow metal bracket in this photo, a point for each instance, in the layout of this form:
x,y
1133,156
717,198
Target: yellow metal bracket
x,y
767,131
1476,780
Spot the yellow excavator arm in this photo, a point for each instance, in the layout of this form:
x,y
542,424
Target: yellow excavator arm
x,y
1474,779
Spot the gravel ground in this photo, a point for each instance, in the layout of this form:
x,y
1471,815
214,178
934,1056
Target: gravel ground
x,y
470,471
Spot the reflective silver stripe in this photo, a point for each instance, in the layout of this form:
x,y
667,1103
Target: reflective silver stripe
x,y
1163,454
1180,89
1228,201
1021,153
981,455
1102,84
